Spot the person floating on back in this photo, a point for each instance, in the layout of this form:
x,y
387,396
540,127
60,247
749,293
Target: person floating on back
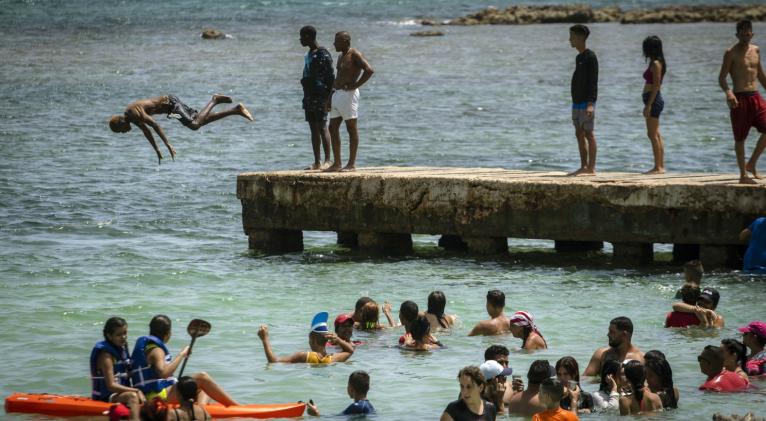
x,y
140,113
110,368
653,102
620,346
318,337
747,108
755,256
353,72
719,379
357,388
497,322
317,85
584,93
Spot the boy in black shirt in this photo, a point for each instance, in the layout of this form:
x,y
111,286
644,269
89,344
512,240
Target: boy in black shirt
x,y
584,92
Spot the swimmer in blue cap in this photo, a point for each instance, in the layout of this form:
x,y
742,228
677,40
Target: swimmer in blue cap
x,y
318,337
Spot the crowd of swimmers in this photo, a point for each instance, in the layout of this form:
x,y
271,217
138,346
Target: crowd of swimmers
x,y
142,383
336,92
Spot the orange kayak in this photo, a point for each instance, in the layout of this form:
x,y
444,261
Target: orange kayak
x,y
74,406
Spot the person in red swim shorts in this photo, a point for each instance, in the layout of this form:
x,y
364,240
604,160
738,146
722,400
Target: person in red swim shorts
x,y
747,108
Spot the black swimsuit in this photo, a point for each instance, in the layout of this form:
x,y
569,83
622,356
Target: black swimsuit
x,y
184,113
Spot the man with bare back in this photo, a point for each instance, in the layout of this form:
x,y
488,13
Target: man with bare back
x,y
748,109
140,113
353,72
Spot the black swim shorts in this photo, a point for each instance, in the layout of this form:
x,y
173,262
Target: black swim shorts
x,y
178,110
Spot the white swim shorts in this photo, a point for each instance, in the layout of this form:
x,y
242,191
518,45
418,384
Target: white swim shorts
x,y
345,104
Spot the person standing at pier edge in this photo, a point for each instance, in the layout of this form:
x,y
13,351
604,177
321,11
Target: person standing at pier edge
x,y
620,347
497,322
653,102
317,84
748,109
584,92
353,72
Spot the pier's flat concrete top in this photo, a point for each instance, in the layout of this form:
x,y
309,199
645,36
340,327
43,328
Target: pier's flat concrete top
x,y
698,208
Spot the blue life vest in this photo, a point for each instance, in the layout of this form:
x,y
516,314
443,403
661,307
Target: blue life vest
x,y
121,370
143,375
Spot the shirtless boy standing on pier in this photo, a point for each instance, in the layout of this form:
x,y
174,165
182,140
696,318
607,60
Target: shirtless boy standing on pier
x,y
353,72
748,109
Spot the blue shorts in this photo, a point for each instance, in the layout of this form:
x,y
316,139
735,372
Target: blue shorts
x,y
657,106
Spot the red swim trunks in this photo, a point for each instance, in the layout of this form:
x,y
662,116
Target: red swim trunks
x,y
751,112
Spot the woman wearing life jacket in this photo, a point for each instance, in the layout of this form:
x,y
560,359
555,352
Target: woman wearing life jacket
x,y
523,326
110,368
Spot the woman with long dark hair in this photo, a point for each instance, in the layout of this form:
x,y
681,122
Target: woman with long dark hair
x,y
188,409
641,399
735,357
437,301
568,373
659,378
653,101
607,397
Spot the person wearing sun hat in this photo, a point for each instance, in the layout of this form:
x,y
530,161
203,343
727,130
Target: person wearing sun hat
x,y
754,337
318,337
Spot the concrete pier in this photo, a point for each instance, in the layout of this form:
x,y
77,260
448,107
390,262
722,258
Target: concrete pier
x,y
477,209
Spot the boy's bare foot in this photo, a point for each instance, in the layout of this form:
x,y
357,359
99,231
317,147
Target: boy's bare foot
x,y
586,173
221,99
654,171
313,167
245,113
746,180
751,169
348,168
577,172
332,168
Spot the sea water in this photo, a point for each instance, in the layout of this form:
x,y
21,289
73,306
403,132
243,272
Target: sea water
x,y
91,226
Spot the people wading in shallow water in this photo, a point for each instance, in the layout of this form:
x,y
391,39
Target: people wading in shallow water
x,y
353,72
470,406
420,335
110,368
522,325
318,338
742,62
659,378
437,301
140,113
620,347
497,322
653,102
642,399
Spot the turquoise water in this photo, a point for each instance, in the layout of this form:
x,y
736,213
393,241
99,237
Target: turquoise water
x,y
93,227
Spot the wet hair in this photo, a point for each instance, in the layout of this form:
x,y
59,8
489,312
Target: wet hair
x,y
690,294
309,32
622,323
737,348
609,366
112,324
473,373
653,50
552,388
715,353
119,124
570,365
160,326
420,328
436,303
538,371
409,310
187,388
636,375
370,314
360,303
359,381
580,30
656,362
494,351
496,298
693,268
744,25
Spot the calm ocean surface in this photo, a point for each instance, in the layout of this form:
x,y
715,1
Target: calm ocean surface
x,y
92,227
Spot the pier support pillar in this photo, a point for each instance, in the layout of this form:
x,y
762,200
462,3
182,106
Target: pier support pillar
x,y
714,256
276,240
578,246
683,253
348,238
486,245
633,253
452,242
385,242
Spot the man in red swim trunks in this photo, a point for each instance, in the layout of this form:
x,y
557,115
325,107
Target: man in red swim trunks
x,y
748,109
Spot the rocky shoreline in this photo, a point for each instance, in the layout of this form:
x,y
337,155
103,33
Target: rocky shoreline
x,y
521,15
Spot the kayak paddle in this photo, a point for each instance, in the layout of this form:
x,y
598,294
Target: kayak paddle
x,y
197,328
